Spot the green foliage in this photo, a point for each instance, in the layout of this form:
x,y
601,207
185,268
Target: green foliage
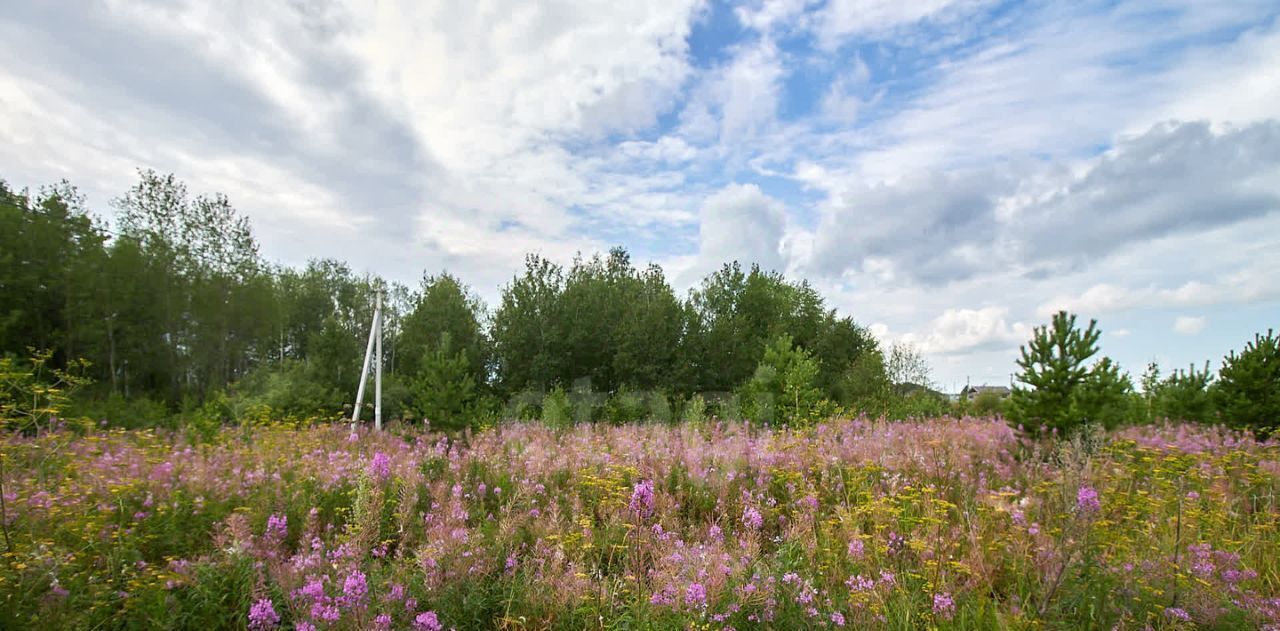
x,y
1185,396
987,403
34,395
293,388
865,385
784,388
131,413
445,317
1248,390
694,411
625,406
1060,391
556,409
1103,398
445,388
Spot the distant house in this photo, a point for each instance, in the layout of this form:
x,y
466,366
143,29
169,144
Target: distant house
x,y
970,393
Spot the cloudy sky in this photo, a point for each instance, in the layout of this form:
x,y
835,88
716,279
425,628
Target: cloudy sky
x,y
949,172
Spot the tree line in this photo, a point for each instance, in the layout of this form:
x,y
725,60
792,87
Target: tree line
x,y
171,315
1060,390
174,310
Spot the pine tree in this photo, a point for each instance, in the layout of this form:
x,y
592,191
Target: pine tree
x,y
1248,392
1185,395
445,390
1053,368
784,387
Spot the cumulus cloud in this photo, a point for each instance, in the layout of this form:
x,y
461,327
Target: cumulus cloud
x,y
937,228
969,330
1249,285
357,123
1188,325
741,223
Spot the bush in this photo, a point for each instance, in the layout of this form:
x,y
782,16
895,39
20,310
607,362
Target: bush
x,y
289,389
33,395
117,411
625,406
694,410
784,387
987,403
556,409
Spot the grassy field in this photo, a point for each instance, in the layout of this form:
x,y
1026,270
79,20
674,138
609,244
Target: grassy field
x,y
950,524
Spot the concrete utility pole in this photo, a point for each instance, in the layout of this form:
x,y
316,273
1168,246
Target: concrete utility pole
x,y
375,342
377,381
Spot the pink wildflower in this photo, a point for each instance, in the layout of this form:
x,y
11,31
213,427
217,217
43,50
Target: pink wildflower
x,y
380,467
262,615
1087,500
943,606
427,621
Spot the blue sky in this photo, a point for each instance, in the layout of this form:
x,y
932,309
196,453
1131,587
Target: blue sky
x,y
948,172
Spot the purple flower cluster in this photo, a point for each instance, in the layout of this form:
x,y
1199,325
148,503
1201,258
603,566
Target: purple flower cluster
x,y
1087,500
262,615
943,606
427,621
380,467
642,499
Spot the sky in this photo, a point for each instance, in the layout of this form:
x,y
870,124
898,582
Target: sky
x,y
947,172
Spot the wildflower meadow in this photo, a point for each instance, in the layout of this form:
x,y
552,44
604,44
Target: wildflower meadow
x,y
951,523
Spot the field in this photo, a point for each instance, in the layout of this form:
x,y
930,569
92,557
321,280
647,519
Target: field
x,y
950,524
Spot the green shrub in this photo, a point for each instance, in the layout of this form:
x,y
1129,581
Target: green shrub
x,y
131,413
556,409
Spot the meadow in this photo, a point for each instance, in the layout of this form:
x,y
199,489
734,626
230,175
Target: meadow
x,y
948,524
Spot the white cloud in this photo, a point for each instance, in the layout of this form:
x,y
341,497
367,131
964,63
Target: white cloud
x,y
1252,284
740,222
1188,325
953,161
737,100
841,19
358,124
939,227
969,330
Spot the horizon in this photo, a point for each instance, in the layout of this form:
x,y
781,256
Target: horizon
x,y
946,174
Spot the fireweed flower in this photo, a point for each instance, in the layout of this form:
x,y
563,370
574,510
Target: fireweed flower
x,y
277,529
856,548
325,612
355,587
642,498
382,621
752,518
860,583
695,594
1087,500
262,615
427,621
943,606
380,467
1178,613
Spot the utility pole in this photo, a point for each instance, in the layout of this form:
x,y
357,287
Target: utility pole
x,y
377,381
375,341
